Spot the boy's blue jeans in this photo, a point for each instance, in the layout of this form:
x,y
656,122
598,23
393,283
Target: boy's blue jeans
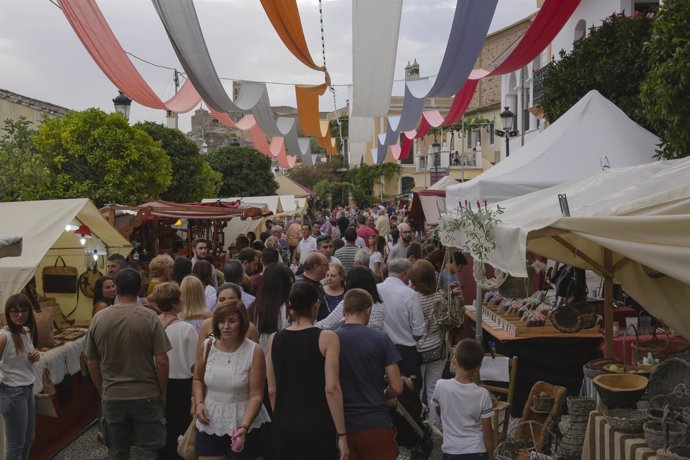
x,y
18,408
480,456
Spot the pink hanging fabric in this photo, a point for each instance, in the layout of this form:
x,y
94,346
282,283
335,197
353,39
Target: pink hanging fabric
x,y
88,23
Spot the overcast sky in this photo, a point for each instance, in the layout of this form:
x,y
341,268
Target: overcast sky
x,y
41,56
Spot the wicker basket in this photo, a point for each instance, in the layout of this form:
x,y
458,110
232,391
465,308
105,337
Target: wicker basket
x,y
678,453
676,402
580,406
620,390
595,367
655,433
626,420
667,376
661,348
567,319
542,403
513,449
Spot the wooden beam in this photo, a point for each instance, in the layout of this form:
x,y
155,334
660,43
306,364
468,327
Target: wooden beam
x,y
608,302
618,265
596,265
548,232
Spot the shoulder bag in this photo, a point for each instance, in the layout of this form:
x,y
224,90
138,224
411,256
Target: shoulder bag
x,y
186,444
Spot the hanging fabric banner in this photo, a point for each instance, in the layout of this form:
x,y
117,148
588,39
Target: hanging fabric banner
x,y
308,113
375,29
284,15
100,42
182,25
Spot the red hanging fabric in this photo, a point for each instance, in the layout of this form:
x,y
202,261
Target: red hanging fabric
x,y
88,23
549,21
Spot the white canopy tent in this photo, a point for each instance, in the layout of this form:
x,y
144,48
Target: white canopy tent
x,y
592,133
41,224
10,246
628,224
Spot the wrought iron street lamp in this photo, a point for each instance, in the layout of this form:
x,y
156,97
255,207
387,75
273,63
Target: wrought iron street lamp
x,y
508,131
122,104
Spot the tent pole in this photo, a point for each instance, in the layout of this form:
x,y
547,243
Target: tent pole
x,y
608,301
478,304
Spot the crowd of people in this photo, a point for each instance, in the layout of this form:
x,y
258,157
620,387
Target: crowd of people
x,y
296,349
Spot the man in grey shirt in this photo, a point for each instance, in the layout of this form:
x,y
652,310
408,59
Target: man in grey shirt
x,y
399,251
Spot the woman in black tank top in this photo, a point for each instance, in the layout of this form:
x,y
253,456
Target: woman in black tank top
x,y
303,385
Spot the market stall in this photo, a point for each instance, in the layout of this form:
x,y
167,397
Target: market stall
x,y
577,145
74,231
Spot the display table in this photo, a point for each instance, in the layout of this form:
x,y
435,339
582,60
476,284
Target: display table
x,y
603,443
556,359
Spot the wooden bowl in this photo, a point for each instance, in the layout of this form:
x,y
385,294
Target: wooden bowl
x,y
620,390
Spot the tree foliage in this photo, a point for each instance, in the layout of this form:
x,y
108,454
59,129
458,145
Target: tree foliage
x,y
365,176
99,156
309,176
245,171
612,59
192,177
20,164
666,89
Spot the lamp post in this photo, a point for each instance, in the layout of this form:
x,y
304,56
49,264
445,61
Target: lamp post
x,y
122,104
508,131
435,152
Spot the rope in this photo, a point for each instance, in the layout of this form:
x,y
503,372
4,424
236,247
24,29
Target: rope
x,y
331,87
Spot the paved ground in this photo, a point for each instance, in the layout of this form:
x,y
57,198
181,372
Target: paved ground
x,y
87,447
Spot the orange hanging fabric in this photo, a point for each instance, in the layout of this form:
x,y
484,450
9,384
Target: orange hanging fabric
x,y
308,114
284,16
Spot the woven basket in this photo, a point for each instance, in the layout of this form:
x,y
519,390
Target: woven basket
x,y
567,319
580,406
626,420
655,434
660,348
595,367
678,453
667,376
676,402
542,403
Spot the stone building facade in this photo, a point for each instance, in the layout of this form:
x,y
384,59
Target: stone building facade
x,y
13,106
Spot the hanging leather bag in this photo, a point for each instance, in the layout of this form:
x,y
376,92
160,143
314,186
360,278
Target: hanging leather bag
x,y
60,278
87,281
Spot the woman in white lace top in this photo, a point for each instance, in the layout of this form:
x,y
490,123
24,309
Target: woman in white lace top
x,y
229,389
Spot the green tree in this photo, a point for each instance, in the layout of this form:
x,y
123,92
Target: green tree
x,y
20,164
363,179
99,156
310,175
611,59
245,171
666,88
192,177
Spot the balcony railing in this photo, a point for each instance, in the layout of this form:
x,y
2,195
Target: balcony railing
x,y
538,80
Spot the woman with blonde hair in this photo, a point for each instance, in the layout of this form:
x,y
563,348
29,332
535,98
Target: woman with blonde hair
x,y
160,271
194,308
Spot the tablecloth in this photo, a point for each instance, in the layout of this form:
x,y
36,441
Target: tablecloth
x,y
603,443
60,362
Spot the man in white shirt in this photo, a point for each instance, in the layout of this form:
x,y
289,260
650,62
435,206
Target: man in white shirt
x,y
403,317
306,245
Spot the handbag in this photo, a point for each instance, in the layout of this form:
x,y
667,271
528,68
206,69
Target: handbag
x,y
187,442
432,355
58,278
87,281
44,400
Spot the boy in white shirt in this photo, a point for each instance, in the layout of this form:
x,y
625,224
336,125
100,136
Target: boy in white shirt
x,y
465,407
